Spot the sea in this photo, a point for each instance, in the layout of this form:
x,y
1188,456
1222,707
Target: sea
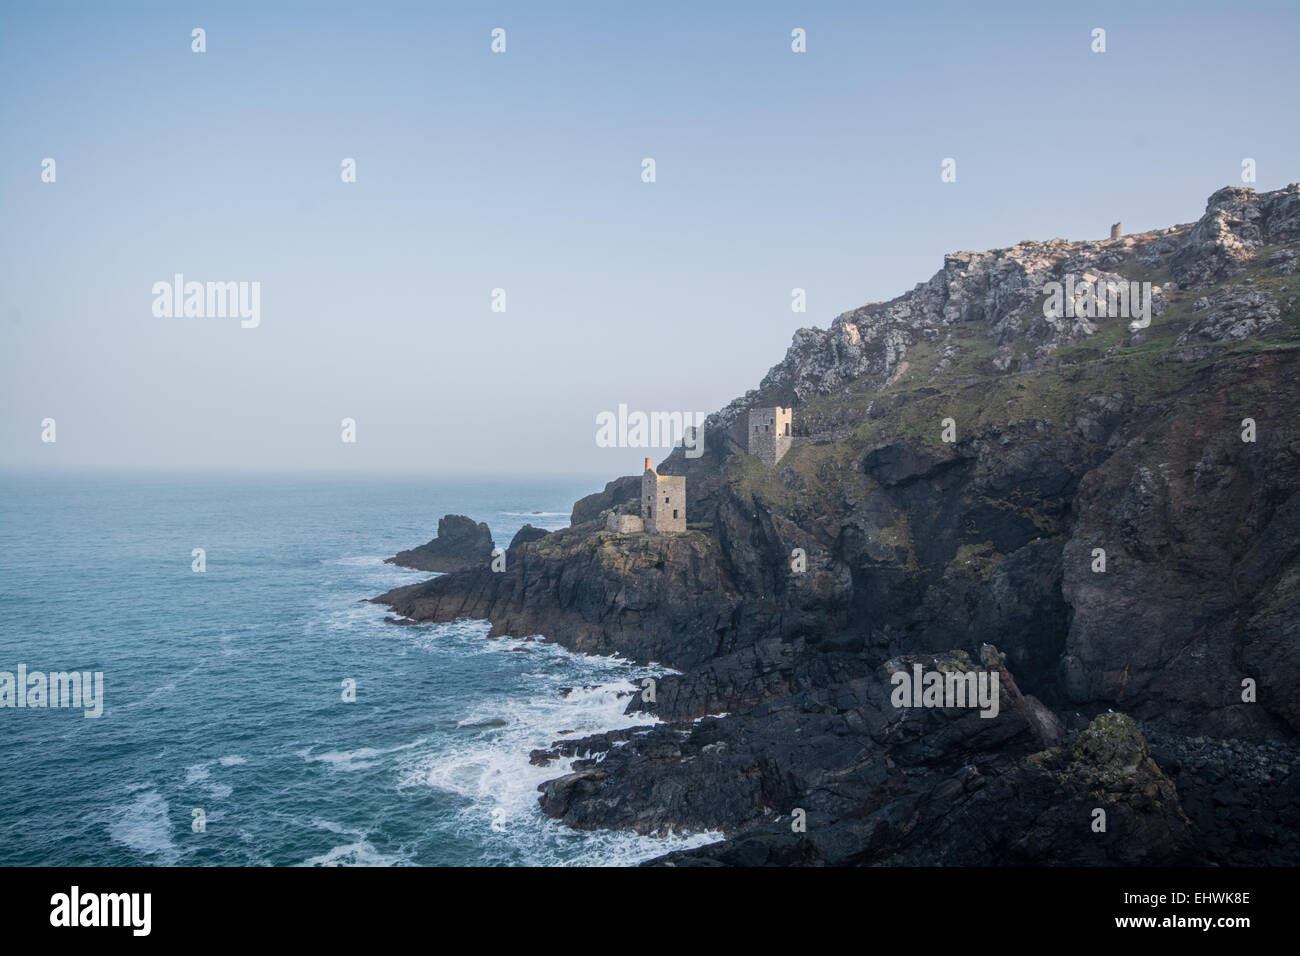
x,y
225,738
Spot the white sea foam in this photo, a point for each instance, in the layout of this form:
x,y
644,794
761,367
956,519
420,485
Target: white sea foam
x,y
359,561
200,775
142,825
358,759
490,767
485,761
448,640
359,852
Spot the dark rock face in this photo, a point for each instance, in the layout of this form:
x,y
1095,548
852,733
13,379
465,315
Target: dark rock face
x,y
1198,528
1006,810
617,492
460,544
898,462
525,534
653,597
1098,533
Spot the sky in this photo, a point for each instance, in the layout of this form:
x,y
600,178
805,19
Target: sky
x,y
522,171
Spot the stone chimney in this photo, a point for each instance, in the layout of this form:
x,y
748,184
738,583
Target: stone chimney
x,y
647,465
1115,231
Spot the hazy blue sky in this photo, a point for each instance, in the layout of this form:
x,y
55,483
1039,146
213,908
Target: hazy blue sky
x,y
523,171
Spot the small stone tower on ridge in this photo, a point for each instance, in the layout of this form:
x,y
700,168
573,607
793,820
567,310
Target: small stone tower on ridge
x,y
663,501
769,433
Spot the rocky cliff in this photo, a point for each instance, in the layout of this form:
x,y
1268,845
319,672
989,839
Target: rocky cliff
x,y
1114,522
460,544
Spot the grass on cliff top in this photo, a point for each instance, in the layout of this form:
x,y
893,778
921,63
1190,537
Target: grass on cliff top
x,y
1050,395
818,470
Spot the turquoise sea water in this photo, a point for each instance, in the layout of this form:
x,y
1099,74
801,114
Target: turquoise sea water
x,y
223,688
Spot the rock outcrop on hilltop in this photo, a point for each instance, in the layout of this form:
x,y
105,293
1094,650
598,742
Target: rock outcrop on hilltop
x,y
460,545
525,534
1098,531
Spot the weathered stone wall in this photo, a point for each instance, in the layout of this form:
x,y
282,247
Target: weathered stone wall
x,y
769,433
623,524
663,502
649,486
670,505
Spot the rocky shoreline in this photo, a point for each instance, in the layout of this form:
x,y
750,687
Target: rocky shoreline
x,y
1122,688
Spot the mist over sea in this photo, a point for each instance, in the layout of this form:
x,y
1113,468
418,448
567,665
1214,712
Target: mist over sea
x,y
223,688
